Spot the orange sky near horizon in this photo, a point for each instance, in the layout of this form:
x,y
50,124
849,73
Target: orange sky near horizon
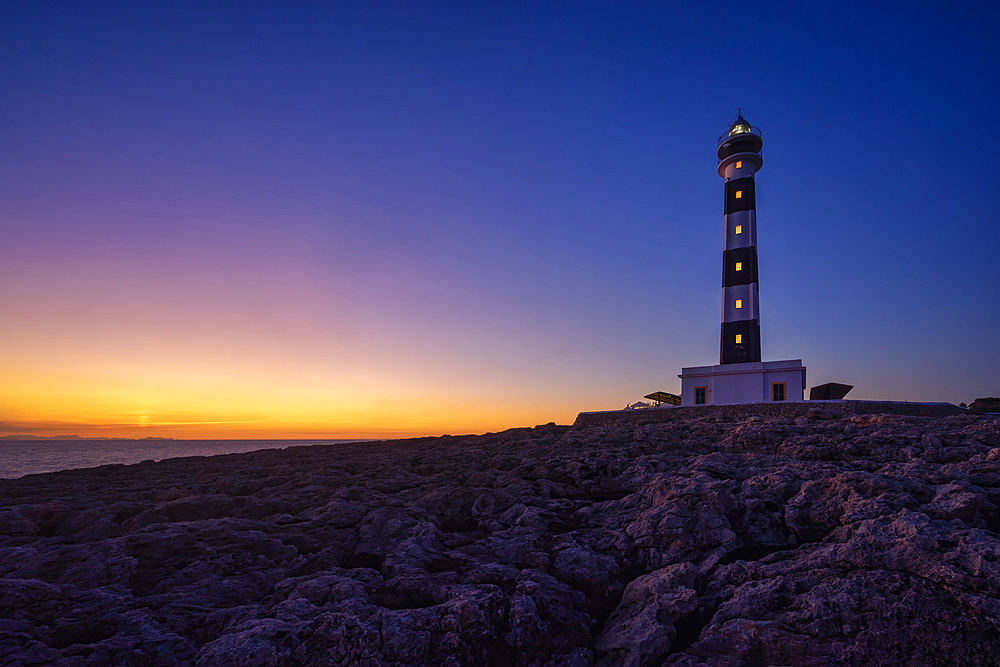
x,y
270,355
204,389
159,346
255,402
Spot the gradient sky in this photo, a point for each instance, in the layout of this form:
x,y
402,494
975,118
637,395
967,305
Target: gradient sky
x,y
390,219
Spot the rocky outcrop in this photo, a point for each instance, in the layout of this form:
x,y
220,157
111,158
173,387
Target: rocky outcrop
x,y
814,539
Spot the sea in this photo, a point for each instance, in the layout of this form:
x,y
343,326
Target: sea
x,y
31,457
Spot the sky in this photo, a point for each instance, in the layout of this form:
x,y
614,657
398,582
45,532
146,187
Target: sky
x,y
387,219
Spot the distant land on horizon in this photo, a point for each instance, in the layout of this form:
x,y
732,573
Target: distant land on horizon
x,y
73,437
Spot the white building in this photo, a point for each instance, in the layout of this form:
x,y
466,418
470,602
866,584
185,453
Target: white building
x,y
752,382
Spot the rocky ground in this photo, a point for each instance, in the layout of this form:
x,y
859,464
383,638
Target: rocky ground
x,y
869,540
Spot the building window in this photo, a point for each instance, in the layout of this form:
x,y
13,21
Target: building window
x,y
739,339
739,164
777,391
739,194
700,395
739,229
739,266
739,303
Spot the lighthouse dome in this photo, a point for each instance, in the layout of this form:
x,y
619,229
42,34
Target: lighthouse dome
x,y
739,126
740,138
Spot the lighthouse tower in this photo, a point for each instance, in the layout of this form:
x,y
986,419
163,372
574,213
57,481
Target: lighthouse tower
x,y
739,160
741,376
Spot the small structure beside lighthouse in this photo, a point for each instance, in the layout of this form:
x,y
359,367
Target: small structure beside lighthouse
x,y
741,376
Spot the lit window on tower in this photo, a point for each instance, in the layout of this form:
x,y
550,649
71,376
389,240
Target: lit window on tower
x,y
739,164
739,338
739,194
739,266
739,229
739,303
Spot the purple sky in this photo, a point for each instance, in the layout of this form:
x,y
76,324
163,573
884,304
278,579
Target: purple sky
x,y
470,217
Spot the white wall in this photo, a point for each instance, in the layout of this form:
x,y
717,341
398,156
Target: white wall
x,y
794,380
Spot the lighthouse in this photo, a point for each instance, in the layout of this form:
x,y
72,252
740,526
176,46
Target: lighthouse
x,y
739,160
741,376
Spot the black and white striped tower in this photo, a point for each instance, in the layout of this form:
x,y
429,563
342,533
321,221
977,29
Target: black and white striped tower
x,y
739,160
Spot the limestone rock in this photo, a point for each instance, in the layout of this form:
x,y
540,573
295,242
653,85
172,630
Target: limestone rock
x,y
641,631
767,541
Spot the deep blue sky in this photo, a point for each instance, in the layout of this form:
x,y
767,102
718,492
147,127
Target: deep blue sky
x,y
508,201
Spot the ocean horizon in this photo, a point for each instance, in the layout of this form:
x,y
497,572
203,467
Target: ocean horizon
x,y
32,457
